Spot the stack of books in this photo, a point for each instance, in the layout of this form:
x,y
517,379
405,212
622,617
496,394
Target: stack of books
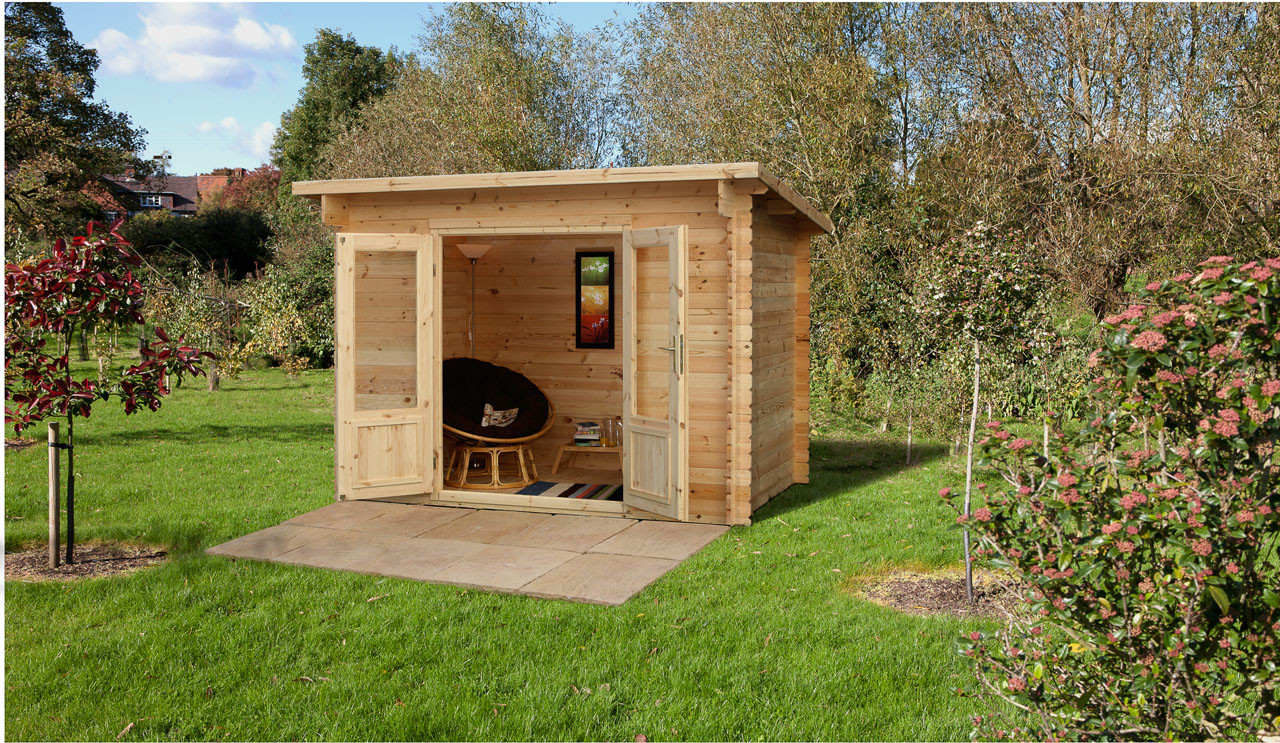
x,y
588,434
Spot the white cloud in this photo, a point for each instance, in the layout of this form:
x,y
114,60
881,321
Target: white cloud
x,y
193,43
255,142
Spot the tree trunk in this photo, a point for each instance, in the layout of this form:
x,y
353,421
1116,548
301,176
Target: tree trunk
x,y
55,511
82,348
968,471
214,381
884,427
909,422
71,488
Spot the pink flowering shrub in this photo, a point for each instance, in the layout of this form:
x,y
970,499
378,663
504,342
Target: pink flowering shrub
x,y
1146,543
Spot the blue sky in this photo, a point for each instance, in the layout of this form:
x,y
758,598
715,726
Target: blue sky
x,y
208,81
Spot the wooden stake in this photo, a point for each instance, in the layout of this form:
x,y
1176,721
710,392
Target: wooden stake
x,y
968,471
909,421
54,483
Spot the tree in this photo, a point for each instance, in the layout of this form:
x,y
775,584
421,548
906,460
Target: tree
x,y
228,240
88,285
341,76
984,290
257,191
501,88
1144,542
1118,136
57,139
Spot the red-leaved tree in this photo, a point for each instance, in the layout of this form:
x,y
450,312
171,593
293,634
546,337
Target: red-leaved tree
x,y
88,285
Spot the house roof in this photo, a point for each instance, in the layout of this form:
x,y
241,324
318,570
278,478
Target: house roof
x,y
717,171
182,187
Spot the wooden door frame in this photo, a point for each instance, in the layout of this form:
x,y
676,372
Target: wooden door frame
x,y
511,501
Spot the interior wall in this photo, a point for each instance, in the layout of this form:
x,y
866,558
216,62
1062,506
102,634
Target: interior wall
x,y
525,320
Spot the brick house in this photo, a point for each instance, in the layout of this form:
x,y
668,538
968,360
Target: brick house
x,y
180,195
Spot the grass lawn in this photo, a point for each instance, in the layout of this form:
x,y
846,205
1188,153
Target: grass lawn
x,y
752,638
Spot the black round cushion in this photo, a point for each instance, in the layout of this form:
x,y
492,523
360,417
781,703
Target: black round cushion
x,y
470,384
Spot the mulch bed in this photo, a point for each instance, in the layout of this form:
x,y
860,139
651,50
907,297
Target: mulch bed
x,y
940,593
96,560
19,443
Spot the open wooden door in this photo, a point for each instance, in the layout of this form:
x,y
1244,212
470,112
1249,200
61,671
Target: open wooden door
x,y
385,361
654,421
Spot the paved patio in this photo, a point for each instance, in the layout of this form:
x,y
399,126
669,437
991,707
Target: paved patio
x,y
591,559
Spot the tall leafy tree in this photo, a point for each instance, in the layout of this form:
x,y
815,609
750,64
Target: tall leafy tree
x,y
501,87
57,139
341,76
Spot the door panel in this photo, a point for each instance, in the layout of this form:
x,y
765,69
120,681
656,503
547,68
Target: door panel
x,y
384,358
655,470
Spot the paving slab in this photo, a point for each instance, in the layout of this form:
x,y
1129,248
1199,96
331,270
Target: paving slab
x,y
416,558
486,526
565,532
599,578
270,543
340,549
663,539
343,514
410,521
592,559
503,567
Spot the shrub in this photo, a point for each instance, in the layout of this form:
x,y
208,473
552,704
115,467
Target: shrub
x,y
1146,540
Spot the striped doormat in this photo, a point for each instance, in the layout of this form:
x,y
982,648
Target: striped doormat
x,y
573,490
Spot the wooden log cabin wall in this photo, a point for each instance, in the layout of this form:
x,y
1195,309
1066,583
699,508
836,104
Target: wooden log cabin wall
x,y
747,300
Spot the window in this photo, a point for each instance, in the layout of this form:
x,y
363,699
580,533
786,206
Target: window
x,y
151,199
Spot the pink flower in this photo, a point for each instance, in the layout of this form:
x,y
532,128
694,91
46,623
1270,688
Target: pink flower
x,y
1066,479
1126,546
1209,274
1226,428
1154,285
1001,435
1222,299
1233,568
1269,389
961,519
1229,415
1131,530
1020,444
1016,683
1111,528
1024,490
1182,277
993,425
1070,497
1245,516
1217,260
1164,318
1149,340
1201,547
1218,351
982,514
974,636
1202,667
944,492
1261,273
1164,375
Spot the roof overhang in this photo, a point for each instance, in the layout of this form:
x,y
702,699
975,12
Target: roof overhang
x,y
658,174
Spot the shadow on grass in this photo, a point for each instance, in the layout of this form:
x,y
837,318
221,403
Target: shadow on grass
x,y
208,433
837,466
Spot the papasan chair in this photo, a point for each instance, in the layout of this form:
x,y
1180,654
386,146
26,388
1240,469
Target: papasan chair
x,y
491,411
